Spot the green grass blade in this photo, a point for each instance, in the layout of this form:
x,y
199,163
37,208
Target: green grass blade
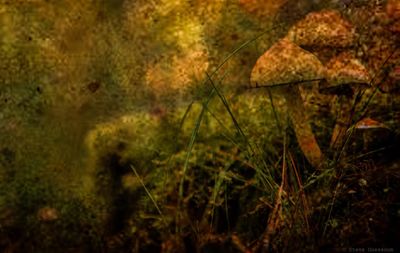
x,y
149,194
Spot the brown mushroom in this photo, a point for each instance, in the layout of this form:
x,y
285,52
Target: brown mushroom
x,y
287,63
370,135
345,76
368,123
321,32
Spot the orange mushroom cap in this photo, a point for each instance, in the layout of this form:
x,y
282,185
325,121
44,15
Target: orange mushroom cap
x,y
368,123
285,62
326,28
344,72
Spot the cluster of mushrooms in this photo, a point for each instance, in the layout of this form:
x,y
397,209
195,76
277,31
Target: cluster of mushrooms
x,y
317,49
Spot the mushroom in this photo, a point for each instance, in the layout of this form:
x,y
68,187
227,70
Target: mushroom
x,y
368,123
371,135
287,63
320,32
345,76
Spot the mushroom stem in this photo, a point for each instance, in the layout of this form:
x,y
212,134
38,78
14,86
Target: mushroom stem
x,y
285,62
342,123
304,134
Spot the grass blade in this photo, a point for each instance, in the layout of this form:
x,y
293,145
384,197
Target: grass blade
x,y
149,194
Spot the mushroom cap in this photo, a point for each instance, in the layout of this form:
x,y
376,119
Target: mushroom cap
x,y
344,72
326,28
285,62
368,123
